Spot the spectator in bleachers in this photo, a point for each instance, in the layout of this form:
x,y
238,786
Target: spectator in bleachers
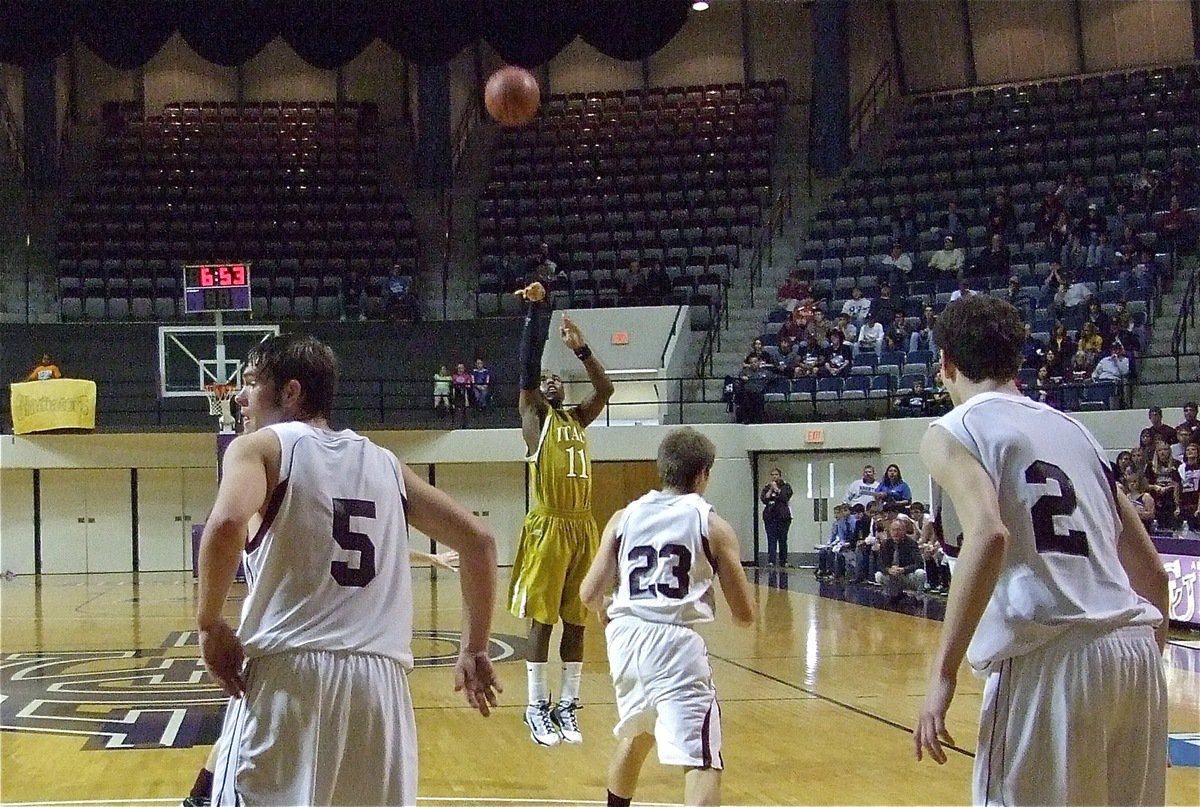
x,y
817,332
1090,343
1073,293
812,360
481,386
1096,316
1157,430
1128,245
886,305
511,269
1058,365
1140,460
660,281
953,222
1074,254
794,289
1093,224
904,226
1048,216
864,540
1034,350
849,329
1190,422
1162,473
1133,482
1122,463
1002,216
352,296
1073,192
870,335
787,357
862,491
948,260
460,393
399,301
857,307
751,390
900,266
1045,387
1060,233
796,326
901,566
1189,486
838,356
1015,295
893,491
1142,276
1081,367
633,283
964,290
913,403
1176,226
1130,334
897,334
441,390
995,261
922,336
1183,439
44,370
757,351
1053,285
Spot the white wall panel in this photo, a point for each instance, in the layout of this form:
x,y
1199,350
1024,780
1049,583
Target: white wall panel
x,y
16,521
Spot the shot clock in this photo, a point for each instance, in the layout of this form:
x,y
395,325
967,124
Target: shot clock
x,y
216,287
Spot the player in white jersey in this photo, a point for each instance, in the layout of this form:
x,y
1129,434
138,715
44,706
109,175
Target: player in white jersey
x,y
652,582
1058,596
324,646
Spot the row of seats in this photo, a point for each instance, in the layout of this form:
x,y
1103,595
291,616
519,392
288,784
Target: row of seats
x,y
805,392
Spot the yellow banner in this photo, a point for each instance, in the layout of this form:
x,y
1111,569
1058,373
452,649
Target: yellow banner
x,y
60,403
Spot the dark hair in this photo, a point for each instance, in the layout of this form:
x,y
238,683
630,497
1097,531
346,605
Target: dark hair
x,y
982,336
307,360
899,476
682,456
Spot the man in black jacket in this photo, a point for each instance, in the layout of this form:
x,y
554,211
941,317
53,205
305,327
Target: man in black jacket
x,y
901,568
777,517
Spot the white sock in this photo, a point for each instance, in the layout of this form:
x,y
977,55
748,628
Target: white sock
x,y
538,689
572,671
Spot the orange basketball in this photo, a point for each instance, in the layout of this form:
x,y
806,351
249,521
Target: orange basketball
x,y
512,96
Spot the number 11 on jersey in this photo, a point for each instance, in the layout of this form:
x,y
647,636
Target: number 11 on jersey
x,y
583,474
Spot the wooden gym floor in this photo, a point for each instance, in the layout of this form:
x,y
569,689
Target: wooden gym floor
x,y
104,702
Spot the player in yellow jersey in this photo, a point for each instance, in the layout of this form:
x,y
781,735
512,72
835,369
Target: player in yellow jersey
x,y
559,536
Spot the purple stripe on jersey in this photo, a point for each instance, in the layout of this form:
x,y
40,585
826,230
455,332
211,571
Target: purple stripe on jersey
x,y
268,517
708,552
705,742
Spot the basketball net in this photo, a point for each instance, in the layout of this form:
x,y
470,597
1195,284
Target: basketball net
x,y
220,397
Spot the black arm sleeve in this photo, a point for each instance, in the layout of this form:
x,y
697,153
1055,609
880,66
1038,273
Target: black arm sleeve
x,y
533,339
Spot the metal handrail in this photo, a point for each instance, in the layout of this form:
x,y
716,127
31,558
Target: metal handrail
x,y
871,103
1186,320
462,132
781,210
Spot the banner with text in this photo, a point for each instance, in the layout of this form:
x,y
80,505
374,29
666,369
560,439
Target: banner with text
x,y
62,403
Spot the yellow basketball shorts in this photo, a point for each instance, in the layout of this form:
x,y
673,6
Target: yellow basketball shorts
x,y
553,557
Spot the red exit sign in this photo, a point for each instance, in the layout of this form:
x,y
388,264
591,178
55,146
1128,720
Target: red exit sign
x,y
620,337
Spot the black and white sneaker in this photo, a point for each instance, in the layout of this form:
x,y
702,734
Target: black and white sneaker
x,y
542,728
563,715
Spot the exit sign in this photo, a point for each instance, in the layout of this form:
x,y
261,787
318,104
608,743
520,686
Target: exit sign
x,y
814,436
620,337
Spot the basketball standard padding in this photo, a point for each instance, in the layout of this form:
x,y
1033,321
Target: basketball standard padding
x,y
512,96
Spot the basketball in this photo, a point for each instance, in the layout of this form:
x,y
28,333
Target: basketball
x,y
512,96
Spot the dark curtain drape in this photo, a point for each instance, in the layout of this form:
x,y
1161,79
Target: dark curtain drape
x,y
631,31
229,32
126,33
34,31
329,33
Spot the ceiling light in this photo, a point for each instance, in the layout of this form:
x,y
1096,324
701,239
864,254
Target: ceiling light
x,y
700,5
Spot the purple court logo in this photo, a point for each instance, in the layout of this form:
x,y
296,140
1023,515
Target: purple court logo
x,y
153,698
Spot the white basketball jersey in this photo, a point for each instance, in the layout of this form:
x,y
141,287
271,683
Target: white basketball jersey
x,y
664,562
1056,492
328,568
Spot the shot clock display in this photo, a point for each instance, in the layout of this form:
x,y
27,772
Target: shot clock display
x,y
216,287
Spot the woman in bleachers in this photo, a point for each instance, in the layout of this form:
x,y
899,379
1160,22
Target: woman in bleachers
x,y
1189,486
1103,322
1162,474
1045,388
1138,457
1123,462
892,489
1134,485
757,351
1090,343
1061,345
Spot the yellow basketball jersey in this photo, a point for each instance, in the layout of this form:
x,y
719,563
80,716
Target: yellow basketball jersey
x,y
560,470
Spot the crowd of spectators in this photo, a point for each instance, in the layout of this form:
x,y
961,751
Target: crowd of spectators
x,y
1089,276
1161,474
465,389
880,536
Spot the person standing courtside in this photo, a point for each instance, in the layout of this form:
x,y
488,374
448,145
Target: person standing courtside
x,y
324,645
1059,596
777,517
652,582
559,535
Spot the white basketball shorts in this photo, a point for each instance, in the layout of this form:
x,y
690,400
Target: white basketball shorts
x,y
319,727
664,686
1082,720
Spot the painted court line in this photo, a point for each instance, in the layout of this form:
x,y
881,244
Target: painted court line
x,y
420,800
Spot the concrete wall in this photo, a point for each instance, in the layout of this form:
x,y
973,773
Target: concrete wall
x,y
484,470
